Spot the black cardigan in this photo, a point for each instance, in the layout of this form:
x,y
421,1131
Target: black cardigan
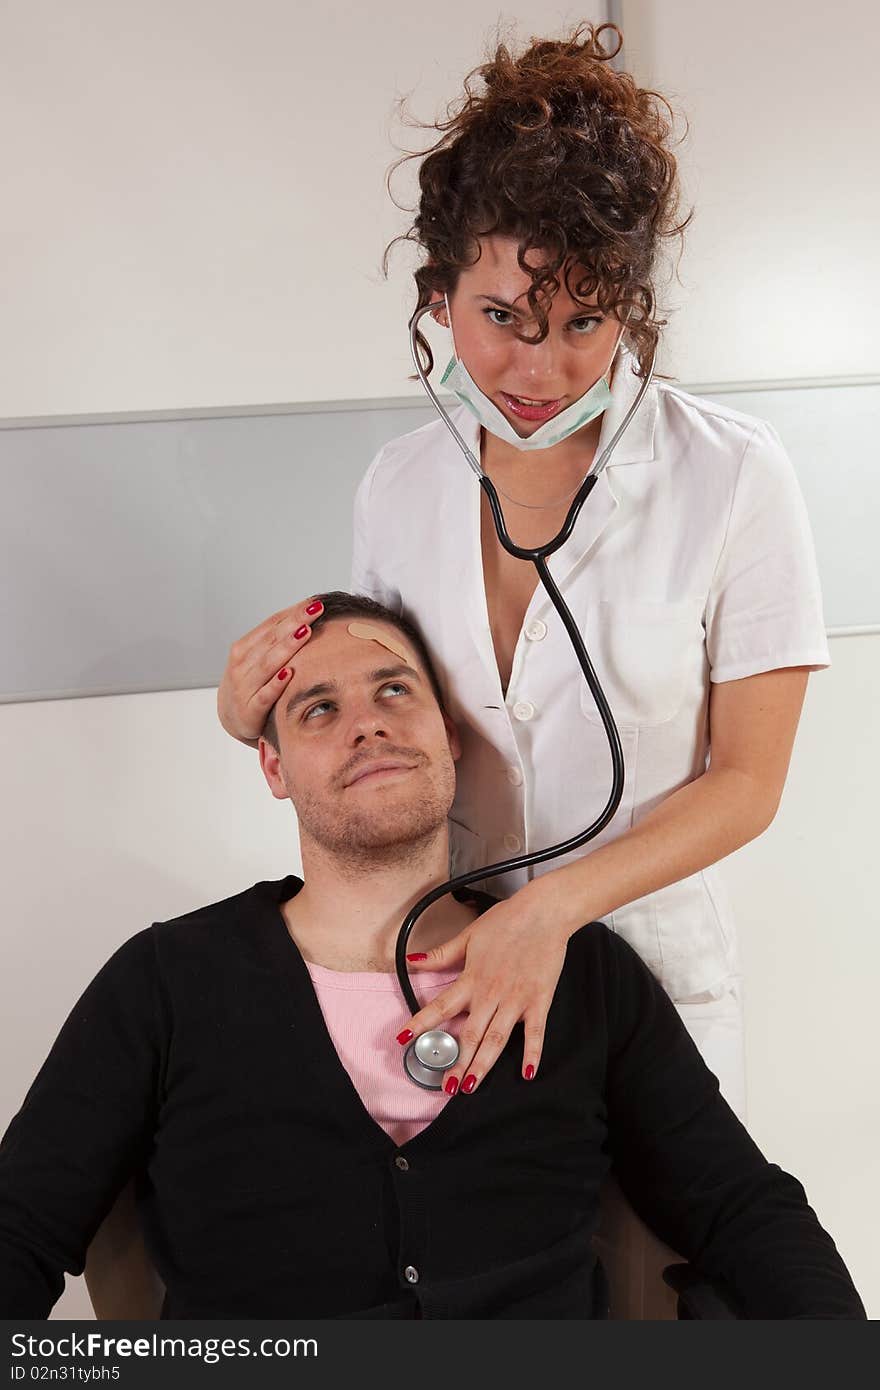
x,y
198,1058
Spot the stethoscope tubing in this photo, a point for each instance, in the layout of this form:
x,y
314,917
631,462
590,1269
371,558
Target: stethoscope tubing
x,y
538,555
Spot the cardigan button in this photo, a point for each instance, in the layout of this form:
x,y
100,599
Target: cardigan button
x,y
402,1163
411,1274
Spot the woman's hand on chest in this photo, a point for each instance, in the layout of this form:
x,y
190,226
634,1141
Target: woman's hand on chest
x,y
511,959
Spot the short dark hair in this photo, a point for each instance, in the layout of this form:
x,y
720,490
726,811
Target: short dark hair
x,y
339,604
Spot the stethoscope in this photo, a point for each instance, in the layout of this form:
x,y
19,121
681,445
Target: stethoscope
x,y
430,1054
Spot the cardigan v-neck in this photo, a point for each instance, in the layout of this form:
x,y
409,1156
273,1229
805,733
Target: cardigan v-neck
x,y
363,1013
337,1077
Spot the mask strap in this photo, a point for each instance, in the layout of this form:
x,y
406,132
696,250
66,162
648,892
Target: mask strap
x,y
449,321
606,376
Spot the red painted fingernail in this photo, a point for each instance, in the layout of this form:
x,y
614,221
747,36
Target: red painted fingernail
x,y
418,955
406,1036
282,675
529,1072
300,632
314,608
451,1086
469,1083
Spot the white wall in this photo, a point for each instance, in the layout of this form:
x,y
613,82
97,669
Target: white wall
x,y
194,210
806,900
168,169
780,162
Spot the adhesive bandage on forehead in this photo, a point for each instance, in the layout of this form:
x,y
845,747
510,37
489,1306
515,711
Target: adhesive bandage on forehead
x,y
371,632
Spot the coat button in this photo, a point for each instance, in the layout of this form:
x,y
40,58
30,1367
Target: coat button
x,y
536,631
512,842
523,710
514,777
411,1274
402,1163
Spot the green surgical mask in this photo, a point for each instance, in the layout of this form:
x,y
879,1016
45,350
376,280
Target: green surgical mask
x,y
459,381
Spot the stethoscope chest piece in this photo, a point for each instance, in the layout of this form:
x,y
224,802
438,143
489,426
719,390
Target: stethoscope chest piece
x,y
428,1056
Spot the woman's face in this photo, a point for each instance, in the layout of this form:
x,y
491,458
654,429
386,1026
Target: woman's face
x,y
529,382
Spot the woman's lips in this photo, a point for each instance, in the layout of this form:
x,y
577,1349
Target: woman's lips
x,y
542,411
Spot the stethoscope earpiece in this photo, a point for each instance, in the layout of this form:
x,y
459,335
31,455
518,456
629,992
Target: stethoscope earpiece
x,y
427,1058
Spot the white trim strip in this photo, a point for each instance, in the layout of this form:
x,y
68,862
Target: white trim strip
x,y
22,697
230,412
219,412
795,383
614,15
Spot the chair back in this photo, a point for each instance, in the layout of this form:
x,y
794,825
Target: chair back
x,y
120,1277
634,1260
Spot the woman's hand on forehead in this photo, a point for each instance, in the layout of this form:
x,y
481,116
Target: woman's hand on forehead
x,y
260,666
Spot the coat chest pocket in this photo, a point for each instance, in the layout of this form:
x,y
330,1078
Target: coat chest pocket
x,y
649,657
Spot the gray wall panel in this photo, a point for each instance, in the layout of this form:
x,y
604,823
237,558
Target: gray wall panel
x,y
833,436
134,552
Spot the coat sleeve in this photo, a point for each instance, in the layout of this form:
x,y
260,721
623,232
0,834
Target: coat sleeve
x,y
764,609
693,1173
86,1124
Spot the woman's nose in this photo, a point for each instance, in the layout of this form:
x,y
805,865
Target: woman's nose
x,y
537,361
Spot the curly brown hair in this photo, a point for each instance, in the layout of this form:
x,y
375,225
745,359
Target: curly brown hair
x,y
567,155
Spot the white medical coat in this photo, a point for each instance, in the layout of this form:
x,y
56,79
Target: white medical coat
x,y
691,562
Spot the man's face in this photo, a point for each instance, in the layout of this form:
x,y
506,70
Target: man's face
x,y
365,753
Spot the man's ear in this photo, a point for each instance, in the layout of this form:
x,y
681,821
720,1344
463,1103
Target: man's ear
x,y
270,762
452,737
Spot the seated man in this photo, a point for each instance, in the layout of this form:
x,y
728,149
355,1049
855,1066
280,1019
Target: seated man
x,y
241,1060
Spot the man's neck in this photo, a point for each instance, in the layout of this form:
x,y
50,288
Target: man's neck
x,y
347,915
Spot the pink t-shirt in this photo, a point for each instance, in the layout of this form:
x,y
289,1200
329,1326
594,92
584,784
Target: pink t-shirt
x,y
364,1012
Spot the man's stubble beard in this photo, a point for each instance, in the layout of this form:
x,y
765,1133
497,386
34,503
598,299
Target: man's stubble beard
x,y
370,837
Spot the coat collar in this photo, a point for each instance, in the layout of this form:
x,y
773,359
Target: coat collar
x,y
636,445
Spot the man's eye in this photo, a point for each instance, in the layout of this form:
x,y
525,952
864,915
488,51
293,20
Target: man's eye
x,y
502,322
395,688
320,708
584,327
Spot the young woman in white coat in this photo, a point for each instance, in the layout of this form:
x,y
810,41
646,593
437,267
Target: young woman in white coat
x,y
544,205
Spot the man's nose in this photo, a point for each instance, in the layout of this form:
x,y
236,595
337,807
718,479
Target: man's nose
x,y
367,723
364,735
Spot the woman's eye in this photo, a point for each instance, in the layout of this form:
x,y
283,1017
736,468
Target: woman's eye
x,y
505,319
584,327
320,708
